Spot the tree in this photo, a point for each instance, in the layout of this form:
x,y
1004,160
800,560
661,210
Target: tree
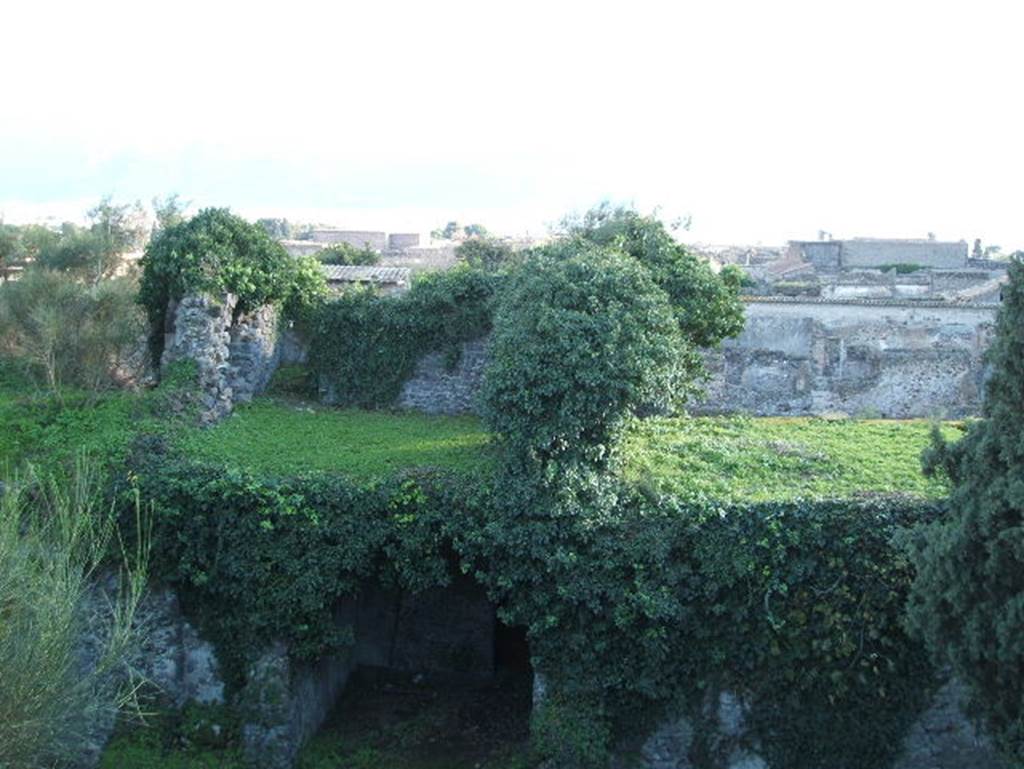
x,y
476,231
347,254
217,252
169,211
275,228
968,599
707,305
583,338
69,333
485,253
976,252
447,232
96,252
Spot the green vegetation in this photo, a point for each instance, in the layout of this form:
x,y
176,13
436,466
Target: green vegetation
x,y
901,268
582,339
968,600
65,333
485,253
55,532
217,252
286,438
735,459
344,253
365,346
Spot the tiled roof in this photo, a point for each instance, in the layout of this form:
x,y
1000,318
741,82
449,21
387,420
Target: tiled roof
x,y
343,273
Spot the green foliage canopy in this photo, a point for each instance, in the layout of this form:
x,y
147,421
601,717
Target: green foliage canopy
x,y
217,252
582,339
968,600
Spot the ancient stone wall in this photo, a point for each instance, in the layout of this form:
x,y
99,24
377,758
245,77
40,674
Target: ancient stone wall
x,y
436,388
942,737
236,355
887,359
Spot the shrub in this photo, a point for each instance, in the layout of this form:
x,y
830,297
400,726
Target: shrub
x,y
485,253
54,535
217,252
69,334
345,253
582,339
968,600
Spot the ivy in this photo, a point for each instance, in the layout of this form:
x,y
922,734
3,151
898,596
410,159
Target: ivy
x,y
217,252
364,346
628,601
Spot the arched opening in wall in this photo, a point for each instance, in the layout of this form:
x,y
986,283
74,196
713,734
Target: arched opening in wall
x,y
511,650
438,681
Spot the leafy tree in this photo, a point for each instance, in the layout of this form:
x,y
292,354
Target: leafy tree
x,y
169,211
707,305
583,338
217,252
70,333
345,253
485,253
968,599
275,228
96,252
445,233
9,247
476,231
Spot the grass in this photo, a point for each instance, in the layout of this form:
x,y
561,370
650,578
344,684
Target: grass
x,y
286,437
738,459
726,458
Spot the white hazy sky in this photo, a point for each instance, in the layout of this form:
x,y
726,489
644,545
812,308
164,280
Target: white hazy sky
x,y
761,120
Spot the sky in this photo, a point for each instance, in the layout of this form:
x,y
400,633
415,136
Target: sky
x,y
760,121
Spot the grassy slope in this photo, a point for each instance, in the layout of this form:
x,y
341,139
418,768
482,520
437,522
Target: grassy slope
x,y
726,458
284,437
740,458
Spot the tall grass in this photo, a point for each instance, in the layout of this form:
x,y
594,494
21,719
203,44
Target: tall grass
x,y
64,642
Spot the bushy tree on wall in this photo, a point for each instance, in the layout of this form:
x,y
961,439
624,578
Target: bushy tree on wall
x,y
605,322
968,599
217,252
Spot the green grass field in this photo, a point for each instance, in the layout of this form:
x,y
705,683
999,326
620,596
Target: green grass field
x,y
284,437
725,458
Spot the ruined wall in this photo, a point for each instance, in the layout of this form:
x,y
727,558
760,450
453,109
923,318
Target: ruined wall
x,y
889,359
871,252
377,241
437,389
942,737
235,356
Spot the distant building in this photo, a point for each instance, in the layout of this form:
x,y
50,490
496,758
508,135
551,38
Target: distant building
x,y
880,252
387,280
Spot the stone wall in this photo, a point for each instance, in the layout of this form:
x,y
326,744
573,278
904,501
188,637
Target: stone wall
x,y
942,737
437,389
872,252
376,241
236,356
886,359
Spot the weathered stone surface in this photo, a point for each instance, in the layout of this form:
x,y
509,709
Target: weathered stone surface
x,y
235,357
886,360
944,738
437,389
941,738
201,332
172,663
284,703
